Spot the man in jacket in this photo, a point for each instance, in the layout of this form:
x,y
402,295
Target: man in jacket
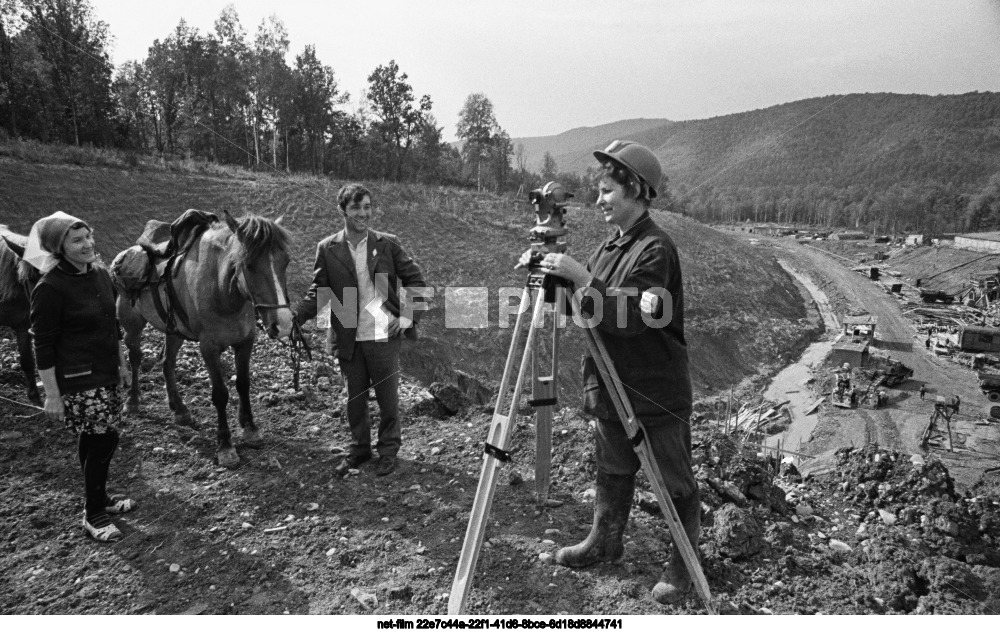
x,y
361,272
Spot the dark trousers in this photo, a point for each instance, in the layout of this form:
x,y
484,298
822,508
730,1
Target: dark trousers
x,y
669,441
375,364
95,451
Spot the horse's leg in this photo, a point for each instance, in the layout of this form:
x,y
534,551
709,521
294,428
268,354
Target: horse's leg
x,y
133,323
28,364
181,414
251,434
211,353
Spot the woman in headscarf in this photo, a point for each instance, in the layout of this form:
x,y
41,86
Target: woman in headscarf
x,y
80,357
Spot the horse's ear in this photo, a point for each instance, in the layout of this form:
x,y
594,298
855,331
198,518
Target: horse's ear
x,y
18,250
280,218
231,222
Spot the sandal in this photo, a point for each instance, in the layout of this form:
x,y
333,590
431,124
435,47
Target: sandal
x,y
106,534
119,505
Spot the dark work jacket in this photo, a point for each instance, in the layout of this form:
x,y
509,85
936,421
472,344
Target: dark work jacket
x,y
75,328
334,269
652,362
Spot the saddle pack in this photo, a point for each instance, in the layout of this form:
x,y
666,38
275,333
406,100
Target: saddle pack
x,y
151,262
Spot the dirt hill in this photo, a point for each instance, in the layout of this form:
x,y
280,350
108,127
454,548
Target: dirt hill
x,y
744,315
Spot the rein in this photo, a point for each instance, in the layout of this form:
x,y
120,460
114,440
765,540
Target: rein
x,y
298,346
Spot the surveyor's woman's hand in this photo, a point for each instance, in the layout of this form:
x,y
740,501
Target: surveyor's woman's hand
x,y
562,265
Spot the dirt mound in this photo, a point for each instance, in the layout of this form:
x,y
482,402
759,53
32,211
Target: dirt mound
x,y
744,315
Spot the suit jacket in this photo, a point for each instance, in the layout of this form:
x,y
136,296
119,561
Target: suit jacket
x,y
334,269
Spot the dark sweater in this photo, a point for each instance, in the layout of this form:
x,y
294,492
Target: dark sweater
x,y
75,328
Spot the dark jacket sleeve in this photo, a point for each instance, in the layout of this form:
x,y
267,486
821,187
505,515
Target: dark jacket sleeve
x,y
46,314
650,269
407,272
306,308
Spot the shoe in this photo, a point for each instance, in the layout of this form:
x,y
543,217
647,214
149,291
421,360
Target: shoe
x,y
107,533
611,510
119,505
351,461
386,464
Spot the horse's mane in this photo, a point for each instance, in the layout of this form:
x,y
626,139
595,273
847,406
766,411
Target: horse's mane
x,y
260,236
13,271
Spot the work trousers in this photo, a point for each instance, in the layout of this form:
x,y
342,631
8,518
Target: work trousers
x,y
374,364
669,441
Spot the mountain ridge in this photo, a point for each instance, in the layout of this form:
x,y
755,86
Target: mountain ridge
x,y
863,139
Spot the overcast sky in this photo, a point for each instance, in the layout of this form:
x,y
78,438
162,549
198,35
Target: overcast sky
x,y
549,66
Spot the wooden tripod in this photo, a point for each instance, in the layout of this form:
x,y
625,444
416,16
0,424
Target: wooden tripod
x,y
544,392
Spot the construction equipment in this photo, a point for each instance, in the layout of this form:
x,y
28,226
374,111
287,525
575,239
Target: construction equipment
x,y
989,384
933,296
886,371
942,411
501,427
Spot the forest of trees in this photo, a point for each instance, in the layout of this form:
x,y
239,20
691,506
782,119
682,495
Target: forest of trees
x,y
230,98
883,163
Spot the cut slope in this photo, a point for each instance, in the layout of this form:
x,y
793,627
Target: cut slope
x,y
743,312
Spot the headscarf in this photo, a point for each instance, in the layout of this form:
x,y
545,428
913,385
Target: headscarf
x,y
45,240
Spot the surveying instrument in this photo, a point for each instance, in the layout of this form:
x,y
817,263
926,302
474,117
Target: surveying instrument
x,y
540,289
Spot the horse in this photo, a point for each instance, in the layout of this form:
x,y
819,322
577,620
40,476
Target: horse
x,y
17,279
230,273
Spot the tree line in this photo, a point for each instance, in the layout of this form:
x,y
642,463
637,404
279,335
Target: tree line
x,y
229,98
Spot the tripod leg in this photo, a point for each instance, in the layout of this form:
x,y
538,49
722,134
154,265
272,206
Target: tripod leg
x,y
499,437
634,429
544,397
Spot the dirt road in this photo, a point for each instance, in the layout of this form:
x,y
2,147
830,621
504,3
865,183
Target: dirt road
x,y
901,424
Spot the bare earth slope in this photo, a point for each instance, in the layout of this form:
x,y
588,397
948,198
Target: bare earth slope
x,y
736,299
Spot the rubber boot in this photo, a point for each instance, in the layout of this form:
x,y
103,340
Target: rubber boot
x,y
676,581
611,510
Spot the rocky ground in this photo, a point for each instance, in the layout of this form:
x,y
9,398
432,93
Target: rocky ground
x,y
873,531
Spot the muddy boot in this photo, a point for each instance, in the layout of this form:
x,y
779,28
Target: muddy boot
x,y
675,582
611,510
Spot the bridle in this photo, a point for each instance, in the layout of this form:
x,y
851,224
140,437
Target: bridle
x,y
295,337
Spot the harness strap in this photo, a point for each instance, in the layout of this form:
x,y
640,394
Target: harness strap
x,y
173,310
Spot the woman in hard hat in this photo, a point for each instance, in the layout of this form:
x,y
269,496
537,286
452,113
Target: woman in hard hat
x,y
637,265
80,357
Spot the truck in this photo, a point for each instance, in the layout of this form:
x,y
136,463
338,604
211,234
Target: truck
x,y
933,296
990,385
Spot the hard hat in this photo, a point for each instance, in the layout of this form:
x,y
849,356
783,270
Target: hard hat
x,y
846,366
636,158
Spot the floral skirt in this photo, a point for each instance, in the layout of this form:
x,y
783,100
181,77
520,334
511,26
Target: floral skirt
x,y
95,412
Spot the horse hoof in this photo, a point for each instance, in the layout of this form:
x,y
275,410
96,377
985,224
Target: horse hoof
x,y
229,458
253,439
185,419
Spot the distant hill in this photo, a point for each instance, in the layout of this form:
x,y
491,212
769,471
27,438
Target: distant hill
x,y
572,146
859,140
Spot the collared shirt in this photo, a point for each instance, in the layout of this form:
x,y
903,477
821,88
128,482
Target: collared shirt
x,y
373,319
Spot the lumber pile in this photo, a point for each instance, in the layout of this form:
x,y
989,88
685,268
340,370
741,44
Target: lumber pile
x,y
750,419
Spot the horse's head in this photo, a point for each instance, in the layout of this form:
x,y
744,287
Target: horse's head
x,y
16,275
261,264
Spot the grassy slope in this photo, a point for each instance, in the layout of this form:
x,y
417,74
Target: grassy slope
x,y
743,314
